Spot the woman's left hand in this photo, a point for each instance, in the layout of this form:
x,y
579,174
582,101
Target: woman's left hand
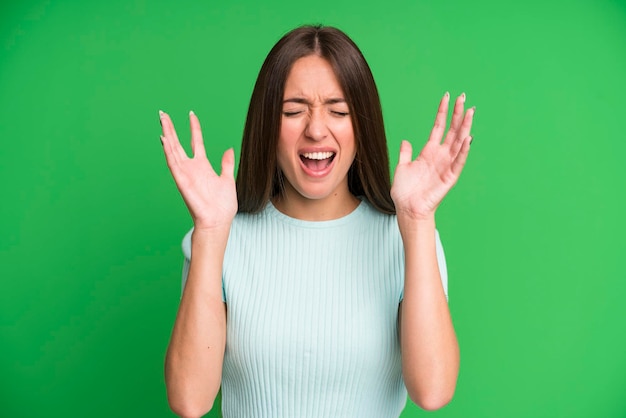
x,y
420,185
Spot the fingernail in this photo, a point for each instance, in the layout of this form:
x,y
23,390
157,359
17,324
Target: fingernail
x,y
191,113
161,113
471,140
161,138
463,97
446,95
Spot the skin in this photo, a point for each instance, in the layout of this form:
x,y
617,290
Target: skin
x,y
315,118
193,363
430,351
312,117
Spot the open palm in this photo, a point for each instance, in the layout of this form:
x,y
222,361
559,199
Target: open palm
x,y
211,199
420,185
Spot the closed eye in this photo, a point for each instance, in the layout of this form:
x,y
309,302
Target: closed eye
x,y
340,114
292,113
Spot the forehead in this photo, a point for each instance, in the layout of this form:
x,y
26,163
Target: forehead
x,y
312,76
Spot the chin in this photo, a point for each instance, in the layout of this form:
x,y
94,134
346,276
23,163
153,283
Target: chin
x,y
315,194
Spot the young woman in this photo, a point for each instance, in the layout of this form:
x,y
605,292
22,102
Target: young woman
x,y
333,280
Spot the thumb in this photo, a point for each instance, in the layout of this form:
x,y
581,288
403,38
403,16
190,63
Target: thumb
x,y
228,163
406,153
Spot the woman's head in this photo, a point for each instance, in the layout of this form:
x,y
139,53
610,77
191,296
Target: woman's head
x,y
259,177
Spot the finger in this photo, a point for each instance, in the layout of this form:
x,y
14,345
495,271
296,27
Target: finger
x,y
228,163
197,143
457,117
169,154
406,153
466,126
463,133
169,133
461,158
440,120
166,125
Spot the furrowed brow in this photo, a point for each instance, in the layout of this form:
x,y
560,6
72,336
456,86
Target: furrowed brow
x,y
301,100
298,100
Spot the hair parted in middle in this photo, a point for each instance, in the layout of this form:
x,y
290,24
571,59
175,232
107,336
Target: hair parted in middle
x,y
259,178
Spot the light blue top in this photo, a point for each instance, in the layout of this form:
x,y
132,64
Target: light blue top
x,y
312,315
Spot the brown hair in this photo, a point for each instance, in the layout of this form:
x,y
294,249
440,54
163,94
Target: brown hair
x,y
259,178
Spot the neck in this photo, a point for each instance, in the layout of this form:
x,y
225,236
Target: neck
x,y
335,206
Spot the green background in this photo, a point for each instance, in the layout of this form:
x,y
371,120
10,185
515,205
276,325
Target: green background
x,y
91,222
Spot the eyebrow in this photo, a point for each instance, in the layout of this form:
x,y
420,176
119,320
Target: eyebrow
x,y
301,100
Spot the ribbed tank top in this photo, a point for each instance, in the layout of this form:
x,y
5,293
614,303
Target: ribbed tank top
x,y
312,312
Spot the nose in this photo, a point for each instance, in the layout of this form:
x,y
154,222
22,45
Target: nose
x,y
316,128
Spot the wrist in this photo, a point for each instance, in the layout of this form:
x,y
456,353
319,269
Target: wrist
x,y
414,226
413,219
215,236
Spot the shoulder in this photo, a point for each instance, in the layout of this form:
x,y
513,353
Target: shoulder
x,y
382,222
241,223
186,244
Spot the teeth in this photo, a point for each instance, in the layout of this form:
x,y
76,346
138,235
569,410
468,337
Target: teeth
x,y
318,155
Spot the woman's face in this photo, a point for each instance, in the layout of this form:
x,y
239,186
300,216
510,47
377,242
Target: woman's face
x,y
316,146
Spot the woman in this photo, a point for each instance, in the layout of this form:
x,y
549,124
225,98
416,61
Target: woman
x,y
334,282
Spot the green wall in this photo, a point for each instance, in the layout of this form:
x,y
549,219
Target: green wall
x,y
91,222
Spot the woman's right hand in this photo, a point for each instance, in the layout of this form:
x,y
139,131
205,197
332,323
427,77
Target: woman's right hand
x,y
211,199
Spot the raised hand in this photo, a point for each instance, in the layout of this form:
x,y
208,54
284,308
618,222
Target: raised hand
x,y
420,185
211,199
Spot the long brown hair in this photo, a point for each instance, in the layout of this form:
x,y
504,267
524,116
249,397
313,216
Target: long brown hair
x,y
259,178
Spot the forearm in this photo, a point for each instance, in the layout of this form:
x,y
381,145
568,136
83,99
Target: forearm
x,y
430,352
193,366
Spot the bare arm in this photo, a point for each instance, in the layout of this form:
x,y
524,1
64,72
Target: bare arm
x,y
430,351
193,364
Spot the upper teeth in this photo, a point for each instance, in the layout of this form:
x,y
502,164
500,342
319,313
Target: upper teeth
x,y
317,155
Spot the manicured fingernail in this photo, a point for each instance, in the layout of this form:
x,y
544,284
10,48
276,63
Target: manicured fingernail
x,y
191,113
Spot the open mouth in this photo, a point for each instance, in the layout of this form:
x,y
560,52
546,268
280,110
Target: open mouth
x,y
317,161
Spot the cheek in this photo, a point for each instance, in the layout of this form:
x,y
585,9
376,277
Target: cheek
x,y
345,136
284,154
283,137
290,130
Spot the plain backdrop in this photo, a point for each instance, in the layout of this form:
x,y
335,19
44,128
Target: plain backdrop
x,y
91,222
